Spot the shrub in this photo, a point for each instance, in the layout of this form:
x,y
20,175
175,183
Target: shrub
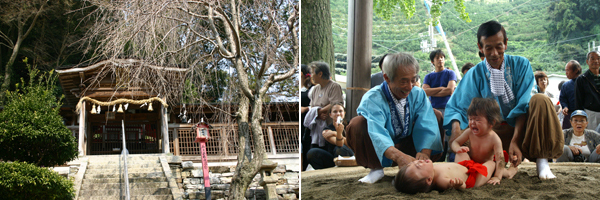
x,y
31,129
19,180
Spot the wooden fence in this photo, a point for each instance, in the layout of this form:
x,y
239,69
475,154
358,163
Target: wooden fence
x,y
223,141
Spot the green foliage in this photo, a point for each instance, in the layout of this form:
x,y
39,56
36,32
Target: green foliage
x,y
526,22
31,129
20,180
385,9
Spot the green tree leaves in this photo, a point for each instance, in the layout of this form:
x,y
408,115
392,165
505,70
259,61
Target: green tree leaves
x,y
31,129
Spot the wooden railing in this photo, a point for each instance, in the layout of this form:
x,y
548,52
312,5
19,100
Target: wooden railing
x,y
223,141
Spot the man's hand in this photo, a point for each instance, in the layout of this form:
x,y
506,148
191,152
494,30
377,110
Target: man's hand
x,y
577,151
456,183
462,150
494,181
422,156
515,154
565,111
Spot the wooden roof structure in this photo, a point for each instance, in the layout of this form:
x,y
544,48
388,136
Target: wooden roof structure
x,y
75,80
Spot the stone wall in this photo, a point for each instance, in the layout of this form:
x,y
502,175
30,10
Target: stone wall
x,y
190,180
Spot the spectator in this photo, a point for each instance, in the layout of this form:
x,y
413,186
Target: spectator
x,y
326,92
560,114
322,157
439,85
567,93
465,68
541,81
581,144
529,127
322,96
395,121
306,85
587,86
377,78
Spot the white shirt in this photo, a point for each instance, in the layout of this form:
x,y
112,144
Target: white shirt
x,y
579,141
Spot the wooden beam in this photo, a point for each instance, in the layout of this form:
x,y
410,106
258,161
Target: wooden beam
x,y
107,94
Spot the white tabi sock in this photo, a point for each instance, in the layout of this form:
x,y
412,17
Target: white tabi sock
x,y
373,176
543,169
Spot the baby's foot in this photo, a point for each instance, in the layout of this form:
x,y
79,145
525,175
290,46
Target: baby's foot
x,y
373,176
510,172
543,169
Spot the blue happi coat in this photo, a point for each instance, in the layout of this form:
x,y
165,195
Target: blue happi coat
x,y
423,123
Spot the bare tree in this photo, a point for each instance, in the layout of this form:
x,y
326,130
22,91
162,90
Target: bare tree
x,y
22,16
255,41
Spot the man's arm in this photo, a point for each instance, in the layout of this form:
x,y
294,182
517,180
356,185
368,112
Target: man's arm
x,y
431,91
440,91
397,156
324,112
455,146
514,151
456,131
304,109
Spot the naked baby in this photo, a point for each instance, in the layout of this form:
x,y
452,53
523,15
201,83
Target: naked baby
x,y
424,176
484,143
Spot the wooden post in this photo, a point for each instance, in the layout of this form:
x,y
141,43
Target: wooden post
x,y
360,24
82,117
164,129
271,140
224,141
176,141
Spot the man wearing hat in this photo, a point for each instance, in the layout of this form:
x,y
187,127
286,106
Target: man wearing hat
x,y
581,144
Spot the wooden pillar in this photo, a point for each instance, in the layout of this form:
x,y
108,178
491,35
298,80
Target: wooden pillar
x,y
224,141
82,119
272,140
176,141
164,129
360,24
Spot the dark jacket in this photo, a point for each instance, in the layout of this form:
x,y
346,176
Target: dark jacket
x,y
587,96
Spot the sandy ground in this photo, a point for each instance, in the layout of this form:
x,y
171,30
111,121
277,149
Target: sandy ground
x,y
574,181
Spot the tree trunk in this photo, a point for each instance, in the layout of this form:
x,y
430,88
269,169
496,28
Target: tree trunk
x,y
8,70
316,33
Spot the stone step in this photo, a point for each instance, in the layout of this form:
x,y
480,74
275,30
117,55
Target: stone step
x,y
138,197
83,194
129,166
129,170
131,175
137,185
118,180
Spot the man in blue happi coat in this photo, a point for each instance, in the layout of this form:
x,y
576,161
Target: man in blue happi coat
x,y
396,123
530,126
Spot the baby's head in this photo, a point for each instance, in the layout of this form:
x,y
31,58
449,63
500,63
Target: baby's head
x,y
415,177
484,112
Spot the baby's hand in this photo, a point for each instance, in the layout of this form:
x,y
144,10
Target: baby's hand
x,y
494,181
463,150
456,183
